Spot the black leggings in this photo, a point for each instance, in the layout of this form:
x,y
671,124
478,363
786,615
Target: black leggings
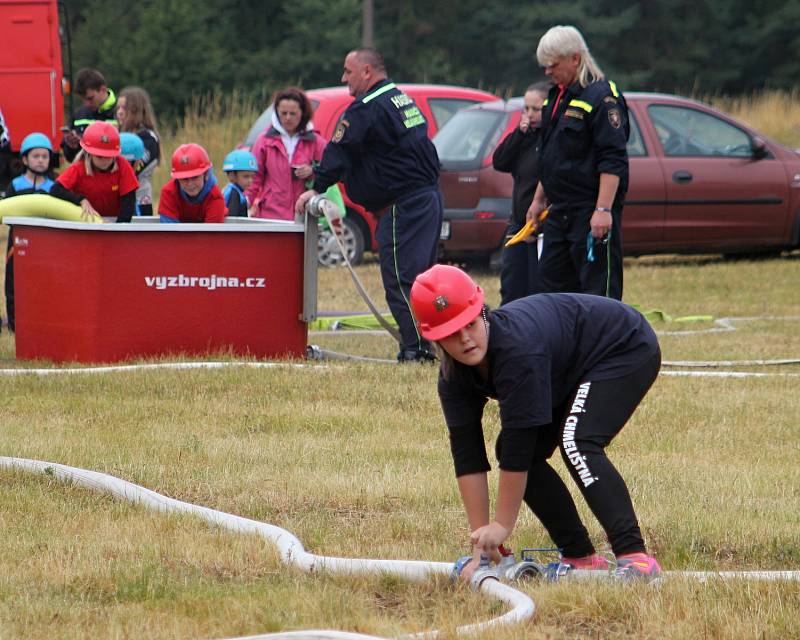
x,y
595,413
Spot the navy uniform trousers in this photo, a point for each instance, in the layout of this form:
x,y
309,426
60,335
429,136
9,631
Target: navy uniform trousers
x,y
573,262
408,242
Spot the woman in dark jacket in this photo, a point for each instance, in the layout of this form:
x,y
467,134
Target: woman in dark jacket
x,y
517,155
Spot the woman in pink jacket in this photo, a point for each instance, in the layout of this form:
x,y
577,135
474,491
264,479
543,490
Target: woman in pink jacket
x,y
286,153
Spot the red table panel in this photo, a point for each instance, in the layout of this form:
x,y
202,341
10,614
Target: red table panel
x,y
105,293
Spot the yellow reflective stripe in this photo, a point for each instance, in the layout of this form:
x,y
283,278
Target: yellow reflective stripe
x,y
108,102
581,105
546,100
613,86
378,92
87,121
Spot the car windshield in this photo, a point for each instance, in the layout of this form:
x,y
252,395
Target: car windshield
x,y
468,137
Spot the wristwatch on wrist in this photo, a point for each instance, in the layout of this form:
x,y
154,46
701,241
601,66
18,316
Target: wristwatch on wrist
x,y
603,209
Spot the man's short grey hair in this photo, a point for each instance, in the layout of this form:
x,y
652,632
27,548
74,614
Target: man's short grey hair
x,y
372,57
563,41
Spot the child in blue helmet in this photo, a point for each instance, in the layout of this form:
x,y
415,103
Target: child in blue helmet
x,y
240,166
36,153
132,149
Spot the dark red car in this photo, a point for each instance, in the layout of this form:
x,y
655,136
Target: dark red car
x,y
699,181
437,102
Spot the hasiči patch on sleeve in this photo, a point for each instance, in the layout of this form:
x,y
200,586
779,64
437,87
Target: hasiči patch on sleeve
x,y
614,118
340,129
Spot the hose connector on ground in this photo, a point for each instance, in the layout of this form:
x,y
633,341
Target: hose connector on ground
x,y
314,352
530,567
485,571
521,572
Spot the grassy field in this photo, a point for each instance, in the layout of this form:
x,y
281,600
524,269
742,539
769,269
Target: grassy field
x,y
353,459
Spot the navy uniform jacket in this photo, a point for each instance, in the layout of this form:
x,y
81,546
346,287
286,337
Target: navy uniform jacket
x,y
586,136
380,149
540,348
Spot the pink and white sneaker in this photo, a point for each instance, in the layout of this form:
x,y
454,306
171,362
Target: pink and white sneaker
x,y
637,566
593,562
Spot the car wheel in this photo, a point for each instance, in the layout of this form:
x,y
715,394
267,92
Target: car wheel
x,y
496,259
328,253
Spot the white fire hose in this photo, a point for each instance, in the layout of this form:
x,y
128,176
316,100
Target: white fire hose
x,y
486,579
320,206
291,549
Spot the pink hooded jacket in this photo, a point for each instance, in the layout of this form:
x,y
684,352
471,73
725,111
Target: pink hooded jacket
x,y
274,185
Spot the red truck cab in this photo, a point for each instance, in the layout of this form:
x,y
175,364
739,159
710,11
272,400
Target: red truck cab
x,y
31,76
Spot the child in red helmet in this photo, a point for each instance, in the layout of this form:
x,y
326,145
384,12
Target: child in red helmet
x,y
108,186
567,371
193,194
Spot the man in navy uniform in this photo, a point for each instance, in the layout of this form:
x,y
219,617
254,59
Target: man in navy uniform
x,y
382,153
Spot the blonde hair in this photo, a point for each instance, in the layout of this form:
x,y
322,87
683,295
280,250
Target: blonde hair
x,y
563,41
87,162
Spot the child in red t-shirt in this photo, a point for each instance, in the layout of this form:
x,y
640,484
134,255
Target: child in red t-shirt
x,y
193,195
108,186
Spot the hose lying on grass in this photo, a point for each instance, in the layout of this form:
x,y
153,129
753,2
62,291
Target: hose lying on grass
x,y
292,552
291,549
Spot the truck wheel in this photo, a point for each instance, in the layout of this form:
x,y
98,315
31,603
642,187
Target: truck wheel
x,y
328,253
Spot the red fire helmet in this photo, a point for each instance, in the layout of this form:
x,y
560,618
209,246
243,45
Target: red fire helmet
x,y
101,139
444,299
190,160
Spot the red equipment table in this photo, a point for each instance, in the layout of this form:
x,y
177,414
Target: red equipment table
x,y
103,293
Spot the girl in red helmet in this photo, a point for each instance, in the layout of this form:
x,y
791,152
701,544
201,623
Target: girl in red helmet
x,y
193,194
108,186
567,371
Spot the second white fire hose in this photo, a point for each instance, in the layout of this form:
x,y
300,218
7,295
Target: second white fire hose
x,y
322,207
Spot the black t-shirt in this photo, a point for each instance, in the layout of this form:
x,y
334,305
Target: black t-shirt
x,y
540,348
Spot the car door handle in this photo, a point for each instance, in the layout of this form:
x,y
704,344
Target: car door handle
x,y
682,177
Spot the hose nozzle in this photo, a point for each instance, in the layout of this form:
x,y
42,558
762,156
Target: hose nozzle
x,y
315,206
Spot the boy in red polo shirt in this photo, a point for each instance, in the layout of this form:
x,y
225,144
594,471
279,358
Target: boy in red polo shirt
x,y
107,185
193,195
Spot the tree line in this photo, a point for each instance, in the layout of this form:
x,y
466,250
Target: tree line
x,y
180,48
